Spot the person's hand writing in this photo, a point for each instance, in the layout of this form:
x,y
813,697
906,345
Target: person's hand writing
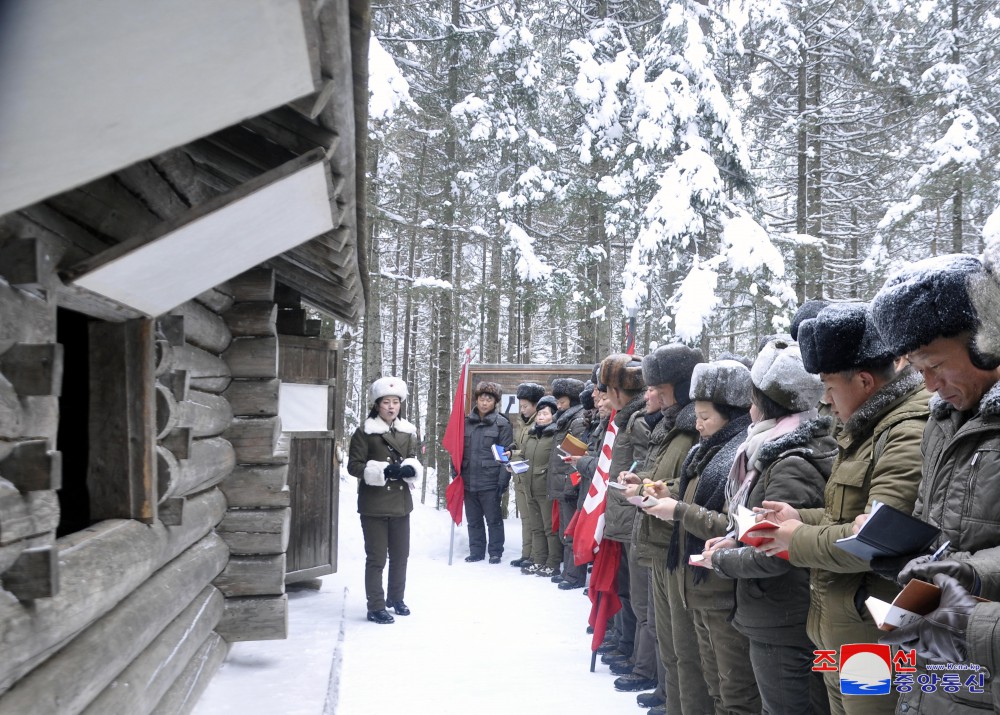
x,y
632,490
717,544
629,478
656,489
781,537
664,509
776,511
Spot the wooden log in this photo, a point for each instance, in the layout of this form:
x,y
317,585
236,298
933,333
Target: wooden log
x,y
256,284
34,369
25,317
177,383
9,554
255,618
203,328
178,442
139,687
28,263
254,438
210,461
98,567
198,363
191,683
11,411
253,357
171,511
257,486
32,466
253,398
24,515
218,299
93,658
205,414
171,329
252,319
256,531
121,466
252,576
40,416
34,575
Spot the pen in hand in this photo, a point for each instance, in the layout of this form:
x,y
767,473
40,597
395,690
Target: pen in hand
x,y
941,551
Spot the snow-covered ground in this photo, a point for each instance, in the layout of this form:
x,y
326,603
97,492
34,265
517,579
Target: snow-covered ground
x,y
482,640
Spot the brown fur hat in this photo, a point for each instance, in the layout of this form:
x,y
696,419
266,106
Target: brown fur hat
x,y
488,388
623,371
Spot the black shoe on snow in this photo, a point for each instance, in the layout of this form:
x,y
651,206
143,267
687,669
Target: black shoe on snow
x,y
557,578
614,656
649,700
569,585
494,559
381,617
470,558
607,646
632,682
546,571
530,569
399,607
658,710
622,667
523,561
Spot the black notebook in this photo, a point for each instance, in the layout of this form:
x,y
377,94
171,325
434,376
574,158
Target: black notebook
x,y
889,532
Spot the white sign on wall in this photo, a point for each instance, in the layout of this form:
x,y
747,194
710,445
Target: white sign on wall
x,y
303,408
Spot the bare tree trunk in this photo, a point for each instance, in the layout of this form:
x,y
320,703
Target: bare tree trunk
x,y
801,177
491,292
371,356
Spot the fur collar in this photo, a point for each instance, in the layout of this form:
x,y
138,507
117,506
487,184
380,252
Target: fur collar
x,y
989,405
376,425
797,439
875,407
675,416
634,405
562,420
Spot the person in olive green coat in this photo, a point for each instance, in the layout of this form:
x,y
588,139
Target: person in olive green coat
x,y
528,395
884,413
546,548
383,456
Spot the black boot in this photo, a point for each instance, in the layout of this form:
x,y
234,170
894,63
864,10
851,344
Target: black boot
x,y
399,607
523,561
470,558
381,617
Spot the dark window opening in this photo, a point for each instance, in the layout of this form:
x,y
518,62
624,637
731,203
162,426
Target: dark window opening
x,y
74,437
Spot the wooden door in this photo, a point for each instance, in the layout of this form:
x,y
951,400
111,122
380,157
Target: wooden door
x,y
313,471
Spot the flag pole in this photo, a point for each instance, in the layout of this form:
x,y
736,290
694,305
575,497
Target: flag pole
x,y
593,653
451,543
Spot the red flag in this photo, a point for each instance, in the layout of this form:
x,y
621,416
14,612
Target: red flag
x,y
589,527
603,591
454,443
555,517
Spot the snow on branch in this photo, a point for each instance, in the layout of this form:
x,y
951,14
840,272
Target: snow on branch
x,y
388,90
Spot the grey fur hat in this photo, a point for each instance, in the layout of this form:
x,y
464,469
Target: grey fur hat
x,y
809,309
842,337
567,387
530,391
623,371
595,377
724,382
985,294
550,402
778,373
587,395
927,300
673,364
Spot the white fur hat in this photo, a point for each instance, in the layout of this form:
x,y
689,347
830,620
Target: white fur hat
x,y
385,386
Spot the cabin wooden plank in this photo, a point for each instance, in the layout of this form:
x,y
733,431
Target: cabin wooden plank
x,y
34,575
122,467
253,398
255,618
204,414
34,369
145,181
25,515
44,220
196,362
33,466
28,263
85,59
218,299
179,170
255,486
252,357
291,130
25,317
252,319
255,531
41,416
252,576
209,462
185,691
11,411
108,645
154,272
253,438
203,328
142,684
255,285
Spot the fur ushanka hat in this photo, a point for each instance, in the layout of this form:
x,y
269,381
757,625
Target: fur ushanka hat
x,y
842,337
623,371
926,300
567,387
550,402
530,391
488,388
385,387
672,364
595,377
778,373
985,294
587,395
809,309
724,382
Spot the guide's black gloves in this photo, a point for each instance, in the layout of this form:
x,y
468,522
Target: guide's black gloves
x,y
391,471
888,566
924,569
407,471
941,634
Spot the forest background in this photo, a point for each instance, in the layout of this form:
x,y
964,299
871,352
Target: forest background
x,y
540,171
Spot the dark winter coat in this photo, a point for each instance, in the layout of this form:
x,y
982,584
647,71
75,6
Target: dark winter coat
x,y
559,485
772,596
959,493
618,513
480,471
537,450
373,447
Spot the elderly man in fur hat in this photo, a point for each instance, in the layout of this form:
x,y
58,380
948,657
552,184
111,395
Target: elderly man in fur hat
x,y
884,413
528,395
485,478
925,311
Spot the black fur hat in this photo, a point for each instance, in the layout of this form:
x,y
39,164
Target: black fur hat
x,y
927,300
550,402
842,337
595,377
587,395
530,391
623,371
488,388
672,364
809,309
567,387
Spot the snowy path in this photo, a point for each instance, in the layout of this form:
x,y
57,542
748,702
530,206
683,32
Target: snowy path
x,y
482,640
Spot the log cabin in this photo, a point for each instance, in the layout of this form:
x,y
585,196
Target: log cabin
x,y
179,182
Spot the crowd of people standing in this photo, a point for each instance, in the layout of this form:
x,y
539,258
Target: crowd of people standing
x,y
896,401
